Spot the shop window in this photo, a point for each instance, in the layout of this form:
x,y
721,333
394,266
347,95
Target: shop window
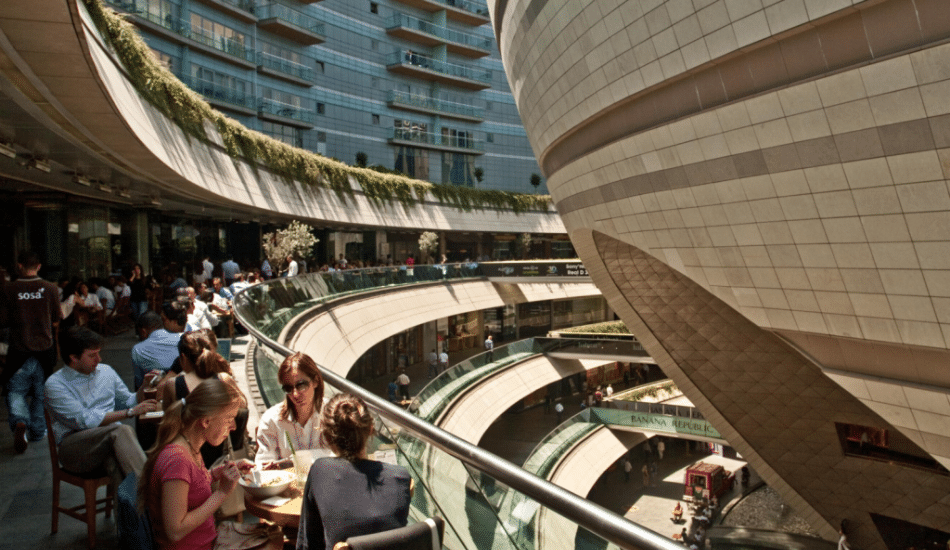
x,y
884,445
374,8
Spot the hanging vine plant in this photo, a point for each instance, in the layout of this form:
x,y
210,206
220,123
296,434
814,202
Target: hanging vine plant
x,y
192,114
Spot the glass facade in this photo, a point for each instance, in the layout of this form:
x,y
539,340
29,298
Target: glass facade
x,y
416,91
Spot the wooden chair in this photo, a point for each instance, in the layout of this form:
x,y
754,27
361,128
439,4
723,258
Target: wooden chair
x,y
89,483
424,535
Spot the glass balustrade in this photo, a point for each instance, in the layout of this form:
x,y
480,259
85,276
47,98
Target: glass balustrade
x,y
449,35
448,108
457,70
486,502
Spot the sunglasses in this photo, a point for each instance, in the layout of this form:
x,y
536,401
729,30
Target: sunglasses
x,y
299,386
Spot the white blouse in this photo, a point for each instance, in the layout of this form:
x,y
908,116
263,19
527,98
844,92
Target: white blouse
x,y
271,442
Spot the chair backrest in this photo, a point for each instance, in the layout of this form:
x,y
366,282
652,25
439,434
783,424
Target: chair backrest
x,y
51,437
135,531
424,535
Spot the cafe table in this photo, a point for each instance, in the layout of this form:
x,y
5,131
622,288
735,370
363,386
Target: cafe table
x,y
287,515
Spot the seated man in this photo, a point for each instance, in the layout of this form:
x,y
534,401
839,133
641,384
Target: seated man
x,y
157,348
221,290
87,402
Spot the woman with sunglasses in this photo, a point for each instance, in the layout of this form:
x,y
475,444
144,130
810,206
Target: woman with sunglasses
x,y
296,418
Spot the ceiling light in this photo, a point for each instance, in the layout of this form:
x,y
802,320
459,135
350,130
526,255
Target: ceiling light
x,y
7,150
39,164
124,192
82,180
105,188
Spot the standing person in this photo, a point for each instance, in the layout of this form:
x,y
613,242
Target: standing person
x,y
559,409
489,350
646,475
267,272
350,495
229,269
291,266
433,363
88,402
297,417
207,268
403,381
391,389
443,361
138,296
627,468
30,307
660,447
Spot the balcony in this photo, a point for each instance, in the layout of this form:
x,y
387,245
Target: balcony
x,y
423,104
239,9
285,113
463,11
234,49
291,24
220,96
408,63
439,142
278,67
424,32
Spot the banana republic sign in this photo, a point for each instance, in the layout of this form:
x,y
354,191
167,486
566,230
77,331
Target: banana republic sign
x,y
674,424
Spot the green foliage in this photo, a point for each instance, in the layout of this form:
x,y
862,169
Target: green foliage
x,y
193,114
479,174
610,327
361,159
535,180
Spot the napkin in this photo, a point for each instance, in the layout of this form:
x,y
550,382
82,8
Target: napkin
x,y
275,501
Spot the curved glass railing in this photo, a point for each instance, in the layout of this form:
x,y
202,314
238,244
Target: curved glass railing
x,y
486,501
439,394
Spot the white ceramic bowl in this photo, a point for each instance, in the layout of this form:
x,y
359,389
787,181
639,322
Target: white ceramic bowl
x,y
273,483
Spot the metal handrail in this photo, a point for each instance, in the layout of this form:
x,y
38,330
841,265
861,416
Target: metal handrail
x,y
450,35
594,518
456,70
425,102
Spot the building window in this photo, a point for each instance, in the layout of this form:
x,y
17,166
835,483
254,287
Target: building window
x,y
374,82
287,134
218,36
884,445
320,66
488,106
374,45
374,7
490,138
321,109
165,60
376,120
458,169
322,143
413,162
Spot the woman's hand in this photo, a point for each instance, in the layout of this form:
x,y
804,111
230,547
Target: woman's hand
x,y
279,464
226,475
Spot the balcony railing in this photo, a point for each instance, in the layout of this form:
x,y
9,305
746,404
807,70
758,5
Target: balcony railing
x,y
401,20
285,66
218,93
414,61
438,141
183,28
232,47
293,24
286,110
424,103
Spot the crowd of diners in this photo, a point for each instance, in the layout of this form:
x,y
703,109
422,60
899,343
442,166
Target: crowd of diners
x,y
183,471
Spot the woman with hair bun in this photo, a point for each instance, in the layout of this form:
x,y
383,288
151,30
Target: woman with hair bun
x,y
296,417
349,494
175,486
200,361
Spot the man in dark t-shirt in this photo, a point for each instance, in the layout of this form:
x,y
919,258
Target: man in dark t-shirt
x,y
30,307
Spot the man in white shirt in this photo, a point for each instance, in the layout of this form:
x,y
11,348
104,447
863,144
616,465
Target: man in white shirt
x,y
443,361
87,402
105,296
291,267
403,382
